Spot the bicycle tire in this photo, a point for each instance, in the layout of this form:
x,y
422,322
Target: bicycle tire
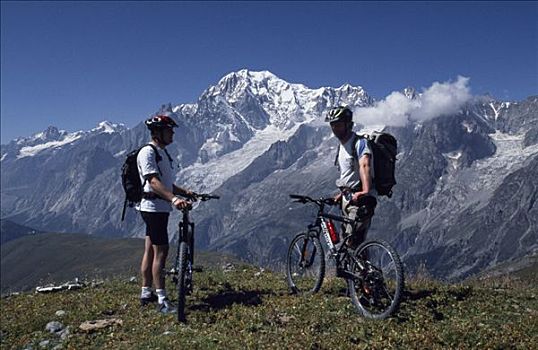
x,y
305,276
377,293
181,286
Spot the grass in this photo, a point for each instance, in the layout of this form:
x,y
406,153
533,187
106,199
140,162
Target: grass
x,y
245,309
55,258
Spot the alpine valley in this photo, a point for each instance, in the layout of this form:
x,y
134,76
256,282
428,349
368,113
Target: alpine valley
x,y
465,199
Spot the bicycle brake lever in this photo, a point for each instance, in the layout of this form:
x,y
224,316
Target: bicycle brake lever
x,y
205,197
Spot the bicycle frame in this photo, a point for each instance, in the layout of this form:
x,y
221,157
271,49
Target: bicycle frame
x,y
361,267
184,261
339,251
186,230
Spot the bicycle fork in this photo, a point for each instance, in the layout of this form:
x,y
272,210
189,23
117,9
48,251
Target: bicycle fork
x,y
307,261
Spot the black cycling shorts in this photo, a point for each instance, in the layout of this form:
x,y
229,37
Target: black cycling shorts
x,y
156,227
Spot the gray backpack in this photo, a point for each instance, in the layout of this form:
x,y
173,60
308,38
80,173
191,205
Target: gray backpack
x,y
384,148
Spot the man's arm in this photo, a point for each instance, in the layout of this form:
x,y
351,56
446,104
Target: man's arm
x,y
364,173
158,188
182,192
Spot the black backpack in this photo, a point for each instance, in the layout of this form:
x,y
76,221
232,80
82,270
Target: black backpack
x,y
384,148
130,179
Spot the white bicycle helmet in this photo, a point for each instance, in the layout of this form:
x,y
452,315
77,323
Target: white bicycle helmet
x,y
339,113
160,122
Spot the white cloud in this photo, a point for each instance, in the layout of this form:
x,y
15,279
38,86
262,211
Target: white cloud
x,y
397,110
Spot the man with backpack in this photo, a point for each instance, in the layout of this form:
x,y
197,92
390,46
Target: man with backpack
x,y
355,161
155,168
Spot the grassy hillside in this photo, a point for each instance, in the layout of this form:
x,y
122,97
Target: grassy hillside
x,y
525,268
57,257
246,308
10,231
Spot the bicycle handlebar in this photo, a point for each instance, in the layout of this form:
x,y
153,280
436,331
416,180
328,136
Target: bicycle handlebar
x,y
205,196
304,199
199,196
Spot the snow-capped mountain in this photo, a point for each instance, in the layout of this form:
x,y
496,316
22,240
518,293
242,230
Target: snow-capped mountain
x,y
465,192
464,199
240,117
230,125
53,139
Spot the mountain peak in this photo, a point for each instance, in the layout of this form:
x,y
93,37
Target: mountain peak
x,y
108,127
51,132
257,75
244,77
348,87
410,93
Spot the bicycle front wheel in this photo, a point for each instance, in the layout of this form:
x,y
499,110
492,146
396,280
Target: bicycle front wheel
x,y
305,264
378,284
181,281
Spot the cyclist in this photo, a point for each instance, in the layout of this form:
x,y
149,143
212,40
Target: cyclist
x,y
357,192
156,173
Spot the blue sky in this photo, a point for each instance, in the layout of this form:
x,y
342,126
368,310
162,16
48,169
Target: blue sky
x,y
74,64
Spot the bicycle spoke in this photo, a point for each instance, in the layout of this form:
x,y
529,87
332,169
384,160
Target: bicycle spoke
x,y
388,294
377,291
296,245
305,264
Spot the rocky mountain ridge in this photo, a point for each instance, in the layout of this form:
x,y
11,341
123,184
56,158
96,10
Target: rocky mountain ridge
x,y
254,138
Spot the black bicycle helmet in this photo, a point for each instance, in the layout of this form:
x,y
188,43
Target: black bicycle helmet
x,y
339,113
160,122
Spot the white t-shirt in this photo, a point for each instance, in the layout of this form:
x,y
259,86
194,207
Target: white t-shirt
x,y
147,164
349,166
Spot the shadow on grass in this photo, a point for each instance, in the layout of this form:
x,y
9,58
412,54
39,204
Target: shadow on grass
x,y
224,299
409,295
410,299
434,301
338,292
461,294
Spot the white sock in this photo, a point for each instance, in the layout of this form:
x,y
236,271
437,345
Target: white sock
x,y
146,292
161,294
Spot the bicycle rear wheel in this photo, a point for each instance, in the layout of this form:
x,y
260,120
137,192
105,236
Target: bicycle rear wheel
x,y
377,287
305,264
181,281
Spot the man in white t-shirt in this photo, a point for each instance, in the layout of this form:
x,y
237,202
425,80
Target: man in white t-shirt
x,y
160,194
355,162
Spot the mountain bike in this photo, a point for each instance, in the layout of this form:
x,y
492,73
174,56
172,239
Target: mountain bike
x,y
182,269
373,271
